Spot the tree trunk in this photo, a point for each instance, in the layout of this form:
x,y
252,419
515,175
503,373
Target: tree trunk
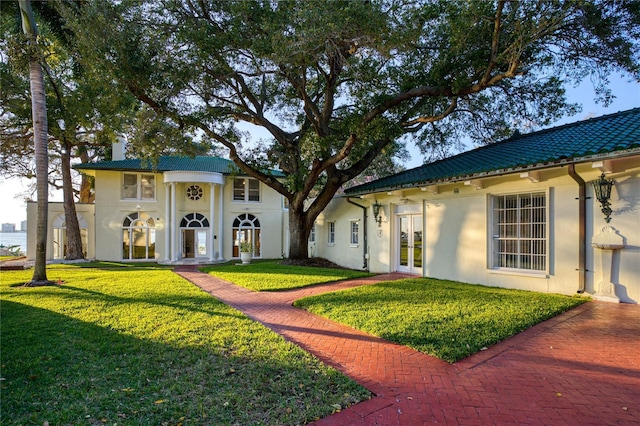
x,y
39,111
86,183
74,239
40,132
298,234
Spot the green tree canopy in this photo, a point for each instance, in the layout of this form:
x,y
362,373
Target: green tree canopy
x,y
337,85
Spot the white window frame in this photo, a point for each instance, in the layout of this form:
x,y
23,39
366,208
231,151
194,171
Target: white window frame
x,y
331,233
246,190
139,186
519,234
354,232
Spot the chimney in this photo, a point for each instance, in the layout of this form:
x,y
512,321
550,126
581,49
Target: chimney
x,y
117,149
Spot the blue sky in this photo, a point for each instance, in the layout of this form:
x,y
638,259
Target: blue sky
x,y
627,94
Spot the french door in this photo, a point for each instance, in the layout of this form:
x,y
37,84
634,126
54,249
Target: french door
x,y
409,243
194,243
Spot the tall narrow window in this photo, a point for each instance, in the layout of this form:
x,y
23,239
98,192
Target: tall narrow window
x,y
312,234
354,233
520,231
331,238
246,190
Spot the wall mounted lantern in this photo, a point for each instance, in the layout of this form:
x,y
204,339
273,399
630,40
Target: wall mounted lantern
x,y
376,212
602,189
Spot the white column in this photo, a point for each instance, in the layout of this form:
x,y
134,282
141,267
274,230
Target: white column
x,y
212,206
173,221
167,223
220,222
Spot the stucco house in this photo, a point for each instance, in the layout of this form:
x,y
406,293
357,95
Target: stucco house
x,y
184,210
520,213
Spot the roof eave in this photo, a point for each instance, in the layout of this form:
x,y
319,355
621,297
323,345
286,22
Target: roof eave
x,y
501,172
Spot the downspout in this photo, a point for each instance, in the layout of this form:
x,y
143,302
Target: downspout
x,y
582,225
365,252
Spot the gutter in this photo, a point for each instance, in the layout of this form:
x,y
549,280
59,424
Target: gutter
x,y
582,227
365,253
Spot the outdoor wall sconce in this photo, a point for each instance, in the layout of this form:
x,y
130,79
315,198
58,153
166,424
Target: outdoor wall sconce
x,y
602,189
376,213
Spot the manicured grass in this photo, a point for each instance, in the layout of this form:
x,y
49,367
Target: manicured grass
x,y
273,276
445,319
133,345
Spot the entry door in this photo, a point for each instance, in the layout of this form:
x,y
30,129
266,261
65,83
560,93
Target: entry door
x,y
409,244
194,243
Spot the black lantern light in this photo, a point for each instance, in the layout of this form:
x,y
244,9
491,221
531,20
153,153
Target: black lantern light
x,y
602,189
376,212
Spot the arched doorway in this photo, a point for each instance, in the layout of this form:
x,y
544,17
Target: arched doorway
x,y
138,237
195,235
59,240
246,227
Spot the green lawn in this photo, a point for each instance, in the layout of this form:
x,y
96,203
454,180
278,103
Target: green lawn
x,y
133,345
273,276
445,319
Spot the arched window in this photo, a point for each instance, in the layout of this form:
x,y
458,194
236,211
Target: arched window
x,y
138,237
246,227
194,220
59,228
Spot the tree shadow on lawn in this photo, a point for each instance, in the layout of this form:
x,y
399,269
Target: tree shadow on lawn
x,y
62,370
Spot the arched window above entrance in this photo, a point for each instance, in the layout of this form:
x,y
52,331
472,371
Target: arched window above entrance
x,y
194,220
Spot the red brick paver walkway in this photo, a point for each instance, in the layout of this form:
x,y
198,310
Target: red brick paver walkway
x,y
579,368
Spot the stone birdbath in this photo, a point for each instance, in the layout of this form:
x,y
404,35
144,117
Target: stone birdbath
x,y
607,241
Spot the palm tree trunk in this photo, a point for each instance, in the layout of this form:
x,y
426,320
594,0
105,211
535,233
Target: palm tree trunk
x,y
40,131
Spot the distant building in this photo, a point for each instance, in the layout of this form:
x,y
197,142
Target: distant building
x,y
23,226
8,227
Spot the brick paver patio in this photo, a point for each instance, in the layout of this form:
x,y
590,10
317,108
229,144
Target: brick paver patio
x,y
579,368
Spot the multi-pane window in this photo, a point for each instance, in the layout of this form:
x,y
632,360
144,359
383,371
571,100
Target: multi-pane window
x,y
246,228
331,239
354,233
246,189
138,237
138,186
520,231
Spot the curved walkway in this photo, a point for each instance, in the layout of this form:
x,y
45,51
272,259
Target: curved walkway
x,y
579,368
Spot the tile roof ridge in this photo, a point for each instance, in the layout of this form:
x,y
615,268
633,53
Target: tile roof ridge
x,y
521,136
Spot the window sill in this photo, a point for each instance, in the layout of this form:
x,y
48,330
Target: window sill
x,y
354,245
519,272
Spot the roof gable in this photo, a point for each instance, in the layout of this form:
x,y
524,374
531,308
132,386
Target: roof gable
x,y
569,143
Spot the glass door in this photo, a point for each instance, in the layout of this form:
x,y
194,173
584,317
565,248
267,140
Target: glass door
x,y
409,243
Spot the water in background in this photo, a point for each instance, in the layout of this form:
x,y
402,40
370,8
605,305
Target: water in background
x,y
8,239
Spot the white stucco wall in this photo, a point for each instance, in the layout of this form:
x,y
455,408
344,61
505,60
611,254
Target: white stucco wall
x,y
457,238
84,212
269,212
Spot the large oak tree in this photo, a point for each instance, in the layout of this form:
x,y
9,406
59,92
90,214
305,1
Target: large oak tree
x,y
337,85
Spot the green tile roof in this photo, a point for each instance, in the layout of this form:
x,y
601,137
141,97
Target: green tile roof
x,y
570,143
170,164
